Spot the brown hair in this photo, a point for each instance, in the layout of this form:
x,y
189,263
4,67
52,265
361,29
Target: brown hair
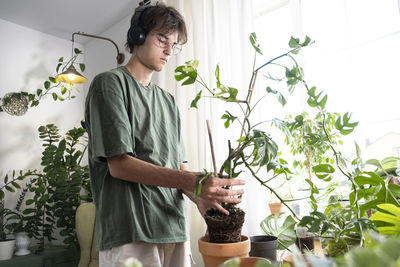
x,y
162,18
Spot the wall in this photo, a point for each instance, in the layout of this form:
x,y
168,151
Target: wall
x,y
28,58
101,55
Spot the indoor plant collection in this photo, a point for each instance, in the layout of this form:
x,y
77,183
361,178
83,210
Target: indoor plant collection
x,y
317,139
50,197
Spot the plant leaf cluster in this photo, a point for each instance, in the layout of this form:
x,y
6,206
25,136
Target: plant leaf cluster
x,y
53,195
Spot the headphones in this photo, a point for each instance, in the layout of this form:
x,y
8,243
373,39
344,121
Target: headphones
x,y
136,34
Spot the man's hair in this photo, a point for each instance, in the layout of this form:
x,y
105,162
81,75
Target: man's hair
x,y
161,18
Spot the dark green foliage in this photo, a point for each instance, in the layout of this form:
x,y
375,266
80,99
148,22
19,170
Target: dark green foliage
x,y
56,192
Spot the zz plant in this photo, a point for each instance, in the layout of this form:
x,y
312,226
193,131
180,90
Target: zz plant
x,y
53,194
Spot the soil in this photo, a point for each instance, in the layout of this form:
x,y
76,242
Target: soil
x,y
223,228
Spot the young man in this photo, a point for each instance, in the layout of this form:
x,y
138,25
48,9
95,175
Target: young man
x,y
136,152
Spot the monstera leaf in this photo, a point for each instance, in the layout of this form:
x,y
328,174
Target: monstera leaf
x,y
387,219
285,233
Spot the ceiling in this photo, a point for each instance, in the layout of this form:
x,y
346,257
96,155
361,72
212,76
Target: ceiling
x,y
62,18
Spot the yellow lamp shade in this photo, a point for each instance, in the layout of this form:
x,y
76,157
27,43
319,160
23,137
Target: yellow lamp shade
x,y
71,76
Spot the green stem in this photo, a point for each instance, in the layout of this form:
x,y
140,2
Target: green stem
x,y
270,189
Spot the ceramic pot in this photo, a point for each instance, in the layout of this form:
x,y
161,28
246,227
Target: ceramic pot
x,y
264,246
22,242
6,249
215,254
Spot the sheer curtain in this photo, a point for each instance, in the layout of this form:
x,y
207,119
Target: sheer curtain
x,y
353,60
218,34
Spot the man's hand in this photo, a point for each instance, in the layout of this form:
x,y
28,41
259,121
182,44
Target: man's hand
x,y
212,189
212,193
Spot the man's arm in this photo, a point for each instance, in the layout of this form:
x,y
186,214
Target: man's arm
x,y
131,169
204,204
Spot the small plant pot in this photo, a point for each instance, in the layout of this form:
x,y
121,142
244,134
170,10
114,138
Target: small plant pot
x,y
264,246
275,207
22,242
305,242
6,249
215,254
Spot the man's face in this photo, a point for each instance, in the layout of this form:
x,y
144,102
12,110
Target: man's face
x,y
156,50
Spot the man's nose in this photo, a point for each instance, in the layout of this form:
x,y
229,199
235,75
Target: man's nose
x,y
168,50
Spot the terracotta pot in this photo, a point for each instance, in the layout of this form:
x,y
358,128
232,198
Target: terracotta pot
x,y
216,253
275,207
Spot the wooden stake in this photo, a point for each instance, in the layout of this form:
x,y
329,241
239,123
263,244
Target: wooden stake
x,y
212,148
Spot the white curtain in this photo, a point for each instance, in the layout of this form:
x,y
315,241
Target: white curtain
x,y
218,34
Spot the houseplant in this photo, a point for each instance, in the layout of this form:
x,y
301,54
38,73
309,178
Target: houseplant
x,y
256,150
50,87
51,196
254,147
8,221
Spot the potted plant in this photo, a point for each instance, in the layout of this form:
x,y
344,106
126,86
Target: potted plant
x,y
7,224
52,196
254,150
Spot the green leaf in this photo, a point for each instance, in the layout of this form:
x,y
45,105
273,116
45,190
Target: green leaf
x,y
9,188
82,67
217,76
389,214
187,71
294,42
199,182
52,79
394,189
324,171
38,92
63,89
229,118
46,85
54,96
254,42
61,59
344,125
77,51
195,100
285,232
58,67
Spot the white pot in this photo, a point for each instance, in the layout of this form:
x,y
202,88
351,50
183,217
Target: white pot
x,y
22,242
6,249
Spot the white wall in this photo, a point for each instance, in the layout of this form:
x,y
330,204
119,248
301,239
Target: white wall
x,y
28,58
100,55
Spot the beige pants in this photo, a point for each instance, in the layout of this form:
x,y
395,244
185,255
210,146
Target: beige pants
x,y
149,254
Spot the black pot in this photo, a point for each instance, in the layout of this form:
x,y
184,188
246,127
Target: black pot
x,y
264,246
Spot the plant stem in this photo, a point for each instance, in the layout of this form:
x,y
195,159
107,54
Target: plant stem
x,y
270,189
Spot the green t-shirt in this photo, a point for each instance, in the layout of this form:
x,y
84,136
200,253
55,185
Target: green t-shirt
x,y
123,116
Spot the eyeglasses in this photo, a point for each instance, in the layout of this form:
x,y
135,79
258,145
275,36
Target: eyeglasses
x,y
163,42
